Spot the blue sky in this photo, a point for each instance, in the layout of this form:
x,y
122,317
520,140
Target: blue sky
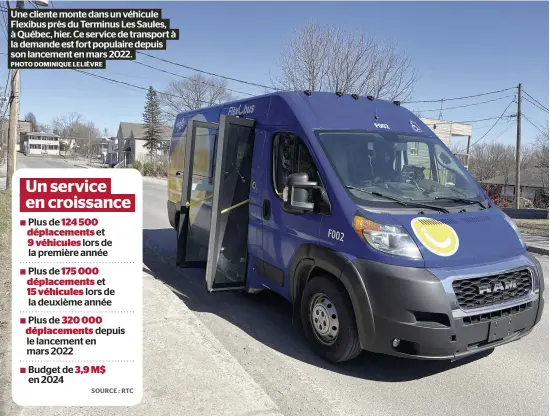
x,y
458,49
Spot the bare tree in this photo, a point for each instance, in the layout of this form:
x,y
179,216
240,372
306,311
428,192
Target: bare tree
x,y
328,58
85,133
539,156
35,125
488,160
32,118
195,92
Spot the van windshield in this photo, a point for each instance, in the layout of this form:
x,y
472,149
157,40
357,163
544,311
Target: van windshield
x,y
407,167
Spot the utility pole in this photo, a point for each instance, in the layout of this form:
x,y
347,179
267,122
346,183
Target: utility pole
x,y
13,128
13,132
468,151
518,150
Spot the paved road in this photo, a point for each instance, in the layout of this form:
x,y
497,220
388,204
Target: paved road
x,y
41,162
257,331
33,162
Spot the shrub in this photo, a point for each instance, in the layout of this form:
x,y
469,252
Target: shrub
x,y
138,166
161,168
148,169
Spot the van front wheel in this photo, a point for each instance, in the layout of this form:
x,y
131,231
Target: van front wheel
x,y
328,320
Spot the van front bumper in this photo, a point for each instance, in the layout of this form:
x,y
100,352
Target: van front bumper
x,y
413,312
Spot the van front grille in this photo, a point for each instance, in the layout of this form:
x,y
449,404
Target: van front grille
x,y
491,290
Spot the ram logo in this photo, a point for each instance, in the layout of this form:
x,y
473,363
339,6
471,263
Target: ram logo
x,y
487,288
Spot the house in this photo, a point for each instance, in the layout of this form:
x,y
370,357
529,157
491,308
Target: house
x,y
131,142
40,143
108,150
446,130
67,144
534,185
24,128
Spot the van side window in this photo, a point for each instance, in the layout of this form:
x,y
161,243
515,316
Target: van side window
x,y
291,155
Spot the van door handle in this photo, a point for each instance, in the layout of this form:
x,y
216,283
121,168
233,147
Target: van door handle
x,y
266,209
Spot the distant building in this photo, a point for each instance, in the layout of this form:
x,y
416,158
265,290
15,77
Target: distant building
x,y
40,143
131,142
24,128
108,150
446,130
67,145
534,185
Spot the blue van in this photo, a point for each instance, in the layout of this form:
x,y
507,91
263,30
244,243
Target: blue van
x,y
354,211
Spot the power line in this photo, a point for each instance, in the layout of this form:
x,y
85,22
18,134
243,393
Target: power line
x,y
485,119
4,21
7,106
494,139
113,81
483,126
205,102
532,123
6,94
134,86
184,77
530,96
466,105
534,104
208,73
4,30
474,121
458,98
492,127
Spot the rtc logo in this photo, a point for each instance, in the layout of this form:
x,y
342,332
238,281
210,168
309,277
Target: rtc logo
x,y
415,127
381,126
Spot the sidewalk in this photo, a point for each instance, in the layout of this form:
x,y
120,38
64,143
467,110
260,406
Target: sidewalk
x,y
83,163
186,370
536,244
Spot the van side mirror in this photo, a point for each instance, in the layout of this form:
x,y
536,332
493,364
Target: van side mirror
x,y
296,195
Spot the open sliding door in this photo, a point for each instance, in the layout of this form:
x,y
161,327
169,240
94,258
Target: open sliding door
x,y
227,255
193,229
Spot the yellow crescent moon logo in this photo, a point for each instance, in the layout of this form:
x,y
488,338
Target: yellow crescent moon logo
x,y
437,237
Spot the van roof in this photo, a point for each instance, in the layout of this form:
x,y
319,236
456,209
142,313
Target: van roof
x,y
326,110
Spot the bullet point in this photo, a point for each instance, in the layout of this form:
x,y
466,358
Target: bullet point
x,y
22,370
22,320
23,271
23,222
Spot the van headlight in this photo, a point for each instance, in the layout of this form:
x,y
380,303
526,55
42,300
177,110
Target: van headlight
x,y
515,227
390,239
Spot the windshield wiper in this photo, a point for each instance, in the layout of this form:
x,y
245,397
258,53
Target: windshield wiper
x,y
400,201
465,200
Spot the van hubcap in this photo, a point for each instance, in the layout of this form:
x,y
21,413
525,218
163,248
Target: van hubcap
x,y
323,318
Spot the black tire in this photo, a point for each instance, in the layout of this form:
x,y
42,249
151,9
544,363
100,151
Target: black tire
x,y
346,345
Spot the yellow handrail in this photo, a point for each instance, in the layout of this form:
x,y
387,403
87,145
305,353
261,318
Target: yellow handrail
x,y
234,206
196,201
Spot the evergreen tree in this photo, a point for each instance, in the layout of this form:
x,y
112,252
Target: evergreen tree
x,y
152,121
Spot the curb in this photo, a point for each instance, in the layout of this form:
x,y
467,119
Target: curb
x,y
538,250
